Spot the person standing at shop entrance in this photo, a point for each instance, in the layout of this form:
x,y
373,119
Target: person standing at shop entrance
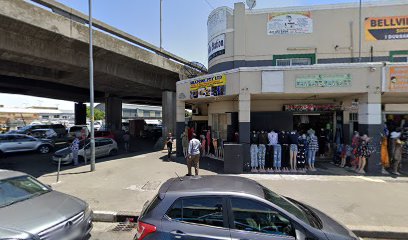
x,y
193,155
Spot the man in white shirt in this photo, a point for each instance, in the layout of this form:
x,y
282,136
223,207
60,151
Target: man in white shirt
x,y
193,155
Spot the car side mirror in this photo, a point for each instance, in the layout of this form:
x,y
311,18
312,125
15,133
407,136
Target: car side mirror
x,y
49,186
300,235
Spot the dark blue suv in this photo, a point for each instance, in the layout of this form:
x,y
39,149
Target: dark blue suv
x,y
227,208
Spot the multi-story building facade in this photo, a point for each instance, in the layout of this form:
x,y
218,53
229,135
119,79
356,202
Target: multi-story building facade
x,y
303,67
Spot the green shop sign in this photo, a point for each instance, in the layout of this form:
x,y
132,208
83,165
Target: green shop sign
x,y
323,80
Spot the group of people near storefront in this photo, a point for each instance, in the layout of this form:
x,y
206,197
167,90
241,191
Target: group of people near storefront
x,y
356,154
211,145
394,147
283,151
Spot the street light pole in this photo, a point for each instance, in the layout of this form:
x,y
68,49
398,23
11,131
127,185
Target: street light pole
x,y
91,89
360,40
161,27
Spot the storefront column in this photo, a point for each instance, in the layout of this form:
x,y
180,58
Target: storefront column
x,y
244,117
180,125
370,123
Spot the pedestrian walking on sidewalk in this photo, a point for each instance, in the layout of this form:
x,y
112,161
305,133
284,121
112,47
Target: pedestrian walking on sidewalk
x,y
169,144
126,140
75,150
193,155
184,143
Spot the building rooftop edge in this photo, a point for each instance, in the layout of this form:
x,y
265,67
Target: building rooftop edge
x,y
304,67
327,6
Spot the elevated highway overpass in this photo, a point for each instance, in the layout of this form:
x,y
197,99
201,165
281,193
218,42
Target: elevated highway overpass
x,y
45,53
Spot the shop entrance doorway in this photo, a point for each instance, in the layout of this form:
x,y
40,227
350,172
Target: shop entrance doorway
x,y
317,121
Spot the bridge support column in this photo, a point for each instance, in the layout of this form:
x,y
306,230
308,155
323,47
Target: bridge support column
x,y
80,113
113,111
169,113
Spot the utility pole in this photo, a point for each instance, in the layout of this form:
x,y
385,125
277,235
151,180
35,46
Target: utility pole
x,y
161,25
360,40
91,89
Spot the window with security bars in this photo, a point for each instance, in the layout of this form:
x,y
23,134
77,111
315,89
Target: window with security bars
x,y
293,62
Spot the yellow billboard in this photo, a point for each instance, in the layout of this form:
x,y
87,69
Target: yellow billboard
x,y
208,87
386,28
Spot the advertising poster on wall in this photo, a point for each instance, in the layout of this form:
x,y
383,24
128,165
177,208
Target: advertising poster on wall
x,y
216,47
386,28
398,79
208,87
289,23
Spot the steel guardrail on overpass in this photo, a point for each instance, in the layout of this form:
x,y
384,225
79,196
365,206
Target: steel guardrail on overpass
x,y
80,17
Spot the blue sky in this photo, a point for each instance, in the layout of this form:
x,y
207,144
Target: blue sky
x,y
184,27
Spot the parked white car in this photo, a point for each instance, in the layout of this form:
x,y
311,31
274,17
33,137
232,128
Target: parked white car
x,y
76,131
103,147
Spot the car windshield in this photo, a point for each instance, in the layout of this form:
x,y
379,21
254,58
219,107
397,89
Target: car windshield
x,y
13,190
286,204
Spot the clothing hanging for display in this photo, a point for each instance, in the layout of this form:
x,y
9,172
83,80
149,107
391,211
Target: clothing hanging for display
x,y
304,119
254,155
208,136
283,139
277,156
254,138
385,160
272,138
261,155
322,142
212,147
263,138
269,157
301,156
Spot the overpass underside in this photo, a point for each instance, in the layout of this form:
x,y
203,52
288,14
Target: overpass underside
x,y
47,55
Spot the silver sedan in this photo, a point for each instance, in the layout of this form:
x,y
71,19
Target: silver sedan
x,y
31,210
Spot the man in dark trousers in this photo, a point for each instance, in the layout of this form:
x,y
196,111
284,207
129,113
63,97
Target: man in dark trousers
x,y
169,144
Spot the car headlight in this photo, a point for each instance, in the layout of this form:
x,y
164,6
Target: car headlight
x,y
88,211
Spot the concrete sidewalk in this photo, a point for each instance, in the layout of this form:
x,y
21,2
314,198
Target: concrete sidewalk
x,y
120,186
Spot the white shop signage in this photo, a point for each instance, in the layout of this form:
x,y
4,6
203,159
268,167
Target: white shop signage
x,y
216,47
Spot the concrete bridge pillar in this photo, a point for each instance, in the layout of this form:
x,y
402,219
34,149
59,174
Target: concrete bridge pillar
x,y
113,111
169,113
80,113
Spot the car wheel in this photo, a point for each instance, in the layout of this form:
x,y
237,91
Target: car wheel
x,y
113,152
43,149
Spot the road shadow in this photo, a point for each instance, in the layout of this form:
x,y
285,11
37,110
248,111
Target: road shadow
x,y
38,165
208,164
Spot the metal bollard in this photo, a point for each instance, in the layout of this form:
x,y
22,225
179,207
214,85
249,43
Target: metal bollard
x,y
59,168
